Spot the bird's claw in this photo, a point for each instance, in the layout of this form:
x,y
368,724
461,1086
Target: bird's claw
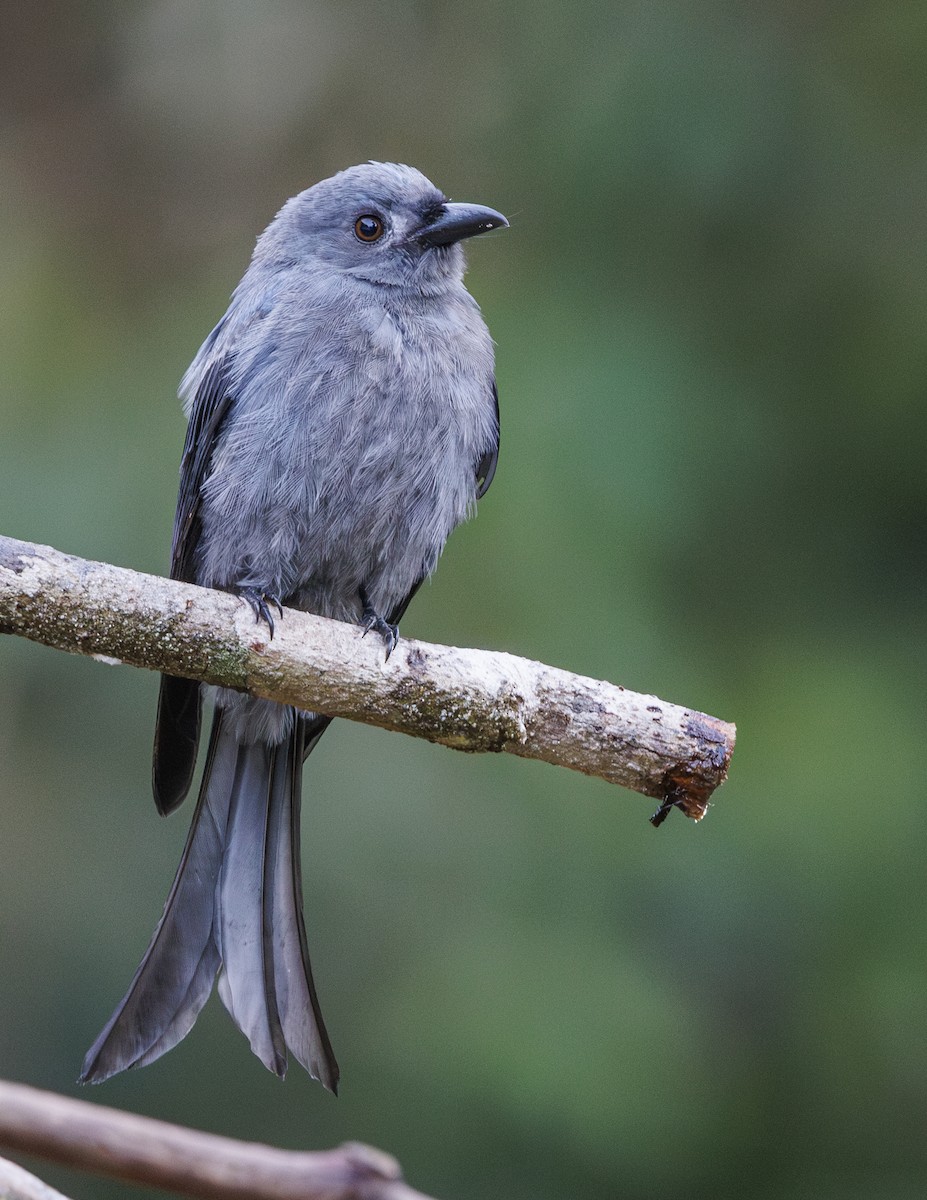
x,y
260,603
389,633
371,619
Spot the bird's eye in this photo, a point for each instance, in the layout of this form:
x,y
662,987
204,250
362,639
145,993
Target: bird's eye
x,y
368,228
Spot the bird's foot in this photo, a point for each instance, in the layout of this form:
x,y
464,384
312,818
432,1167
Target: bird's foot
x,y
389,633
371,620
260,603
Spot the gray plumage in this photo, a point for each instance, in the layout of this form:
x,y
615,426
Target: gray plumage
x,y
342,421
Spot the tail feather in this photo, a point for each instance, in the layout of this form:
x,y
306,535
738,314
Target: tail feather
x,y
196,996
235,907
173,980
297,1002
246,981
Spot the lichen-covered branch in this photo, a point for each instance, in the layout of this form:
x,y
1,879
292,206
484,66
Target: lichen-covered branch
x,y
105,1141
468,699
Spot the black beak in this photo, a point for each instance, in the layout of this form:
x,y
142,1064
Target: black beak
x,y
457,221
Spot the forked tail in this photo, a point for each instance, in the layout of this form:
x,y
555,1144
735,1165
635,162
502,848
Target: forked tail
x,y
235,908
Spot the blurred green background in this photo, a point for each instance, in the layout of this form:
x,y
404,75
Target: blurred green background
x,y
711,317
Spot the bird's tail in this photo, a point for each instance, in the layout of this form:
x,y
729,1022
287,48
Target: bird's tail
x,y
235,907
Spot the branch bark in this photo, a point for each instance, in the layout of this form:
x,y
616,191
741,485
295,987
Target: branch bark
x,y
476,700
105,1141
17,1184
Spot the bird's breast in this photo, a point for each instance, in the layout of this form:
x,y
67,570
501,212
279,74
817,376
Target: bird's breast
x,y
348,461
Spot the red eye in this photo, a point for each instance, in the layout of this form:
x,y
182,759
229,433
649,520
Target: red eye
x,y
368,228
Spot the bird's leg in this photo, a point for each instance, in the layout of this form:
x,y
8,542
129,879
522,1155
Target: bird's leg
x,y
260,605
371,619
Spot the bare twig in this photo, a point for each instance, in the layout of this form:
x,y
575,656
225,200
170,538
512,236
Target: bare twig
x,y
108,1142
467,699
17,1184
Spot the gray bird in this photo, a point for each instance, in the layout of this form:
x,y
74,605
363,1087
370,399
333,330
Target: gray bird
x,y
343,419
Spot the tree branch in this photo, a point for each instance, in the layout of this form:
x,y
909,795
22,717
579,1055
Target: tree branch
x,y
17,1184
125,1146
466,699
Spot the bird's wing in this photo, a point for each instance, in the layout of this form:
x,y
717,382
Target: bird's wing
x,y
177,729
486,467
210,406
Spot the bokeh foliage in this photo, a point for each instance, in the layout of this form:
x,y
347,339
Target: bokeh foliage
x,y
711,316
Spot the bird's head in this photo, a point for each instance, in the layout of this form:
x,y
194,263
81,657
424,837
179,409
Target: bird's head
x,y
383,223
